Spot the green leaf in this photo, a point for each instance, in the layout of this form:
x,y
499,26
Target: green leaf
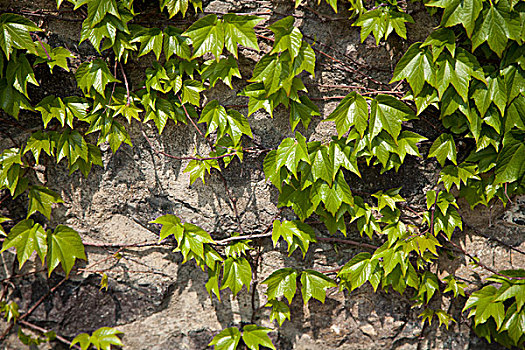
x,y
358,270
71,145
94,75
510,165
458,72
441,39
352,111
15,33
207,35
287,37
295,233
494,28
416,66
53,56
381,22
455,175
271,70
255,336
387,113
443,148
314,285
464,12
26,237
237,272
193,241
494,92
83,340
41,199
39,142
457,288
224,69
302,111
228,339
150,39
290,152
239,30
280,311
98,9
175,43
199,168
104,337
191,90
19,73
171,225
176,6
64,247
282,282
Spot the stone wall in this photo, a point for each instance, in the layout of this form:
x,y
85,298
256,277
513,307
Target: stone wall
x,y
160,303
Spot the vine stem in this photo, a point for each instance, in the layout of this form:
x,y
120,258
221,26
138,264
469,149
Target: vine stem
x,y
479,263
233,200
128,96
43,330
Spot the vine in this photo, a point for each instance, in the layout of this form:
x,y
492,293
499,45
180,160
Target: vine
x,y
469,74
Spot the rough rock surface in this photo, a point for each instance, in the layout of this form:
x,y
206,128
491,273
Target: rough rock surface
x,y
161,303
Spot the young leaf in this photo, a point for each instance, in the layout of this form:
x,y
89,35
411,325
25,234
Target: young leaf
x,y
464,12
239,30
228,339
14,33
71,145
207,35
255,336
416,66
237,272
358,270
41,199
56,56
282,282
150,39
171,225
314,285
287,37
26,237
387,113
94,75
199,168
290,152
280,311
352,111
64,247
443,148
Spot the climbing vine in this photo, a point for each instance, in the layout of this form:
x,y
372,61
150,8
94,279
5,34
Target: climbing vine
x,y
469,73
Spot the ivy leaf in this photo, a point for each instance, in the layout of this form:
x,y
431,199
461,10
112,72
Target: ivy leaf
x,y
416,66
224,69
39,142
314,285
381,22
71,145
290,152
94,75
358,270
483,306
175,43
443,147
464,12
237,272
494,92
26,237
64,247
457,288
352,111
199,168
458,72
295,233
287,37
19,73
150,39
494,29
510,165
280,311
254,335
455,175
207,35
239,30
441,39
282,282
98,9
387,113
104,337
14,33
191,90
41,199
271,71
176,6
11,100
302,111
171,225
56,56
228,339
